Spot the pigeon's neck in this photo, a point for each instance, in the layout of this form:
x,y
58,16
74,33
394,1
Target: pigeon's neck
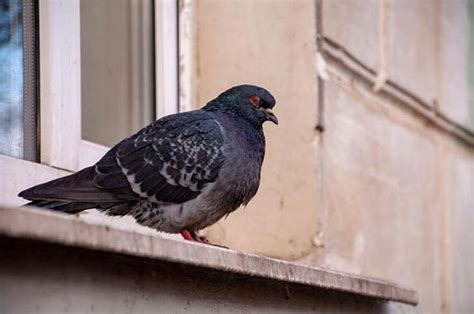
x,y
244,130
243,133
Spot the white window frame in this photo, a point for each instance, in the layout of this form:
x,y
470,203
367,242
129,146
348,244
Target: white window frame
x,y
62,149
60,64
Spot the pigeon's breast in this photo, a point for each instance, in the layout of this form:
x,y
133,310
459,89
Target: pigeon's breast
x,y
244,152
236,183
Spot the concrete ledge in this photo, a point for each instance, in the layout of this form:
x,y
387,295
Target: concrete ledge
x,y
47,226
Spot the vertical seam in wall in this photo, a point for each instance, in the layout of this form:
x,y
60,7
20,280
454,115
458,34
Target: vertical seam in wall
x,y
319,47
442,168
443,229
382,74
438,59
320,237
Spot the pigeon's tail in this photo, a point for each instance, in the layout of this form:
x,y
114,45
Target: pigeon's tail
x,y
69,207
74,193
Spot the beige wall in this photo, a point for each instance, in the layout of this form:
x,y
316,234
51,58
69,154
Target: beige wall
x,y
238,47
380,192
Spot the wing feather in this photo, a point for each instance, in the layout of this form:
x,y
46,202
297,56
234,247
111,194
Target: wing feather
x,y
170,161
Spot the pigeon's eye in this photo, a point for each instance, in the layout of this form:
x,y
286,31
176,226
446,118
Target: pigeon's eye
x,y
255,100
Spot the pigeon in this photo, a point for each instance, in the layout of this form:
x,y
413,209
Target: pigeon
x,y
181,173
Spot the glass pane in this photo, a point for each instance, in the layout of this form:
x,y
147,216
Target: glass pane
x,y
11,78
116,68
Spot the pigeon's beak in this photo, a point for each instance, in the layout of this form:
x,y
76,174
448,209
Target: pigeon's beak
x,y
270,115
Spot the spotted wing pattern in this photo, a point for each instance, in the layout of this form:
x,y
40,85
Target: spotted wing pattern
x,y
170,161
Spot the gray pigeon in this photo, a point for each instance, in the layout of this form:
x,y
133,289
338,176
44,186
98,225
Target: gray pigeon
x,y
181,173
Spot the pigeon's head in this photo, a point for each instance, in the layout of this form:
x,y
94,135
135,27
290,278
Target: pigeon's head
x,y
252,102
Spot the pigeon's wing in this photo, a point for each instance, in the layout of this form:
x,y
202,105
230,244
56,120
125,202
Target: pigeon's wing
x,y
170,161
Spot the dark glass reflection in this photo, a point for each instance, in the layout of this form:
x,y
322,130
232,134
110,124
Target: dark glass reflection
x,y
11,78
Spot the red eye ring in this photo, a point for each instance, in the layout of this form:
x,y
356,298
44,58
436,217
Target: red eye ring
x,y
255,100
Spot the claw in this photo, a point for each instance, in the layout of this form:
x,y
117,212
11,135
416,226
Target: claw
x,y
192,236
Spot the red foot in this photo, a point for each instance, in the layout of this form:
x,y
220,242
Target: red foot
x,y
187,235
191,236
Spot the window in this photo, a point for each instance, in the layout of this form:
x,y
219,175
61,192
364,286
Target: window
x,y
106,56
117,74
106,69
17,77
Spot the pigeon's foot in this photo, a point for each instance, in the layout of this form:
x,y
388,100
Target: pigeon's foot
x,y
192,236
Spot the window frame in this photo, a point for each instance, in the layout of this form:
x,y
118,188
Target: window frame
x,y
61,147
30,80
61,143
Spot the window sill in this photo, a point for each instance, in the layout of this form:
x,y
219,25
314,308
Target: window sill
x,y
49,227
